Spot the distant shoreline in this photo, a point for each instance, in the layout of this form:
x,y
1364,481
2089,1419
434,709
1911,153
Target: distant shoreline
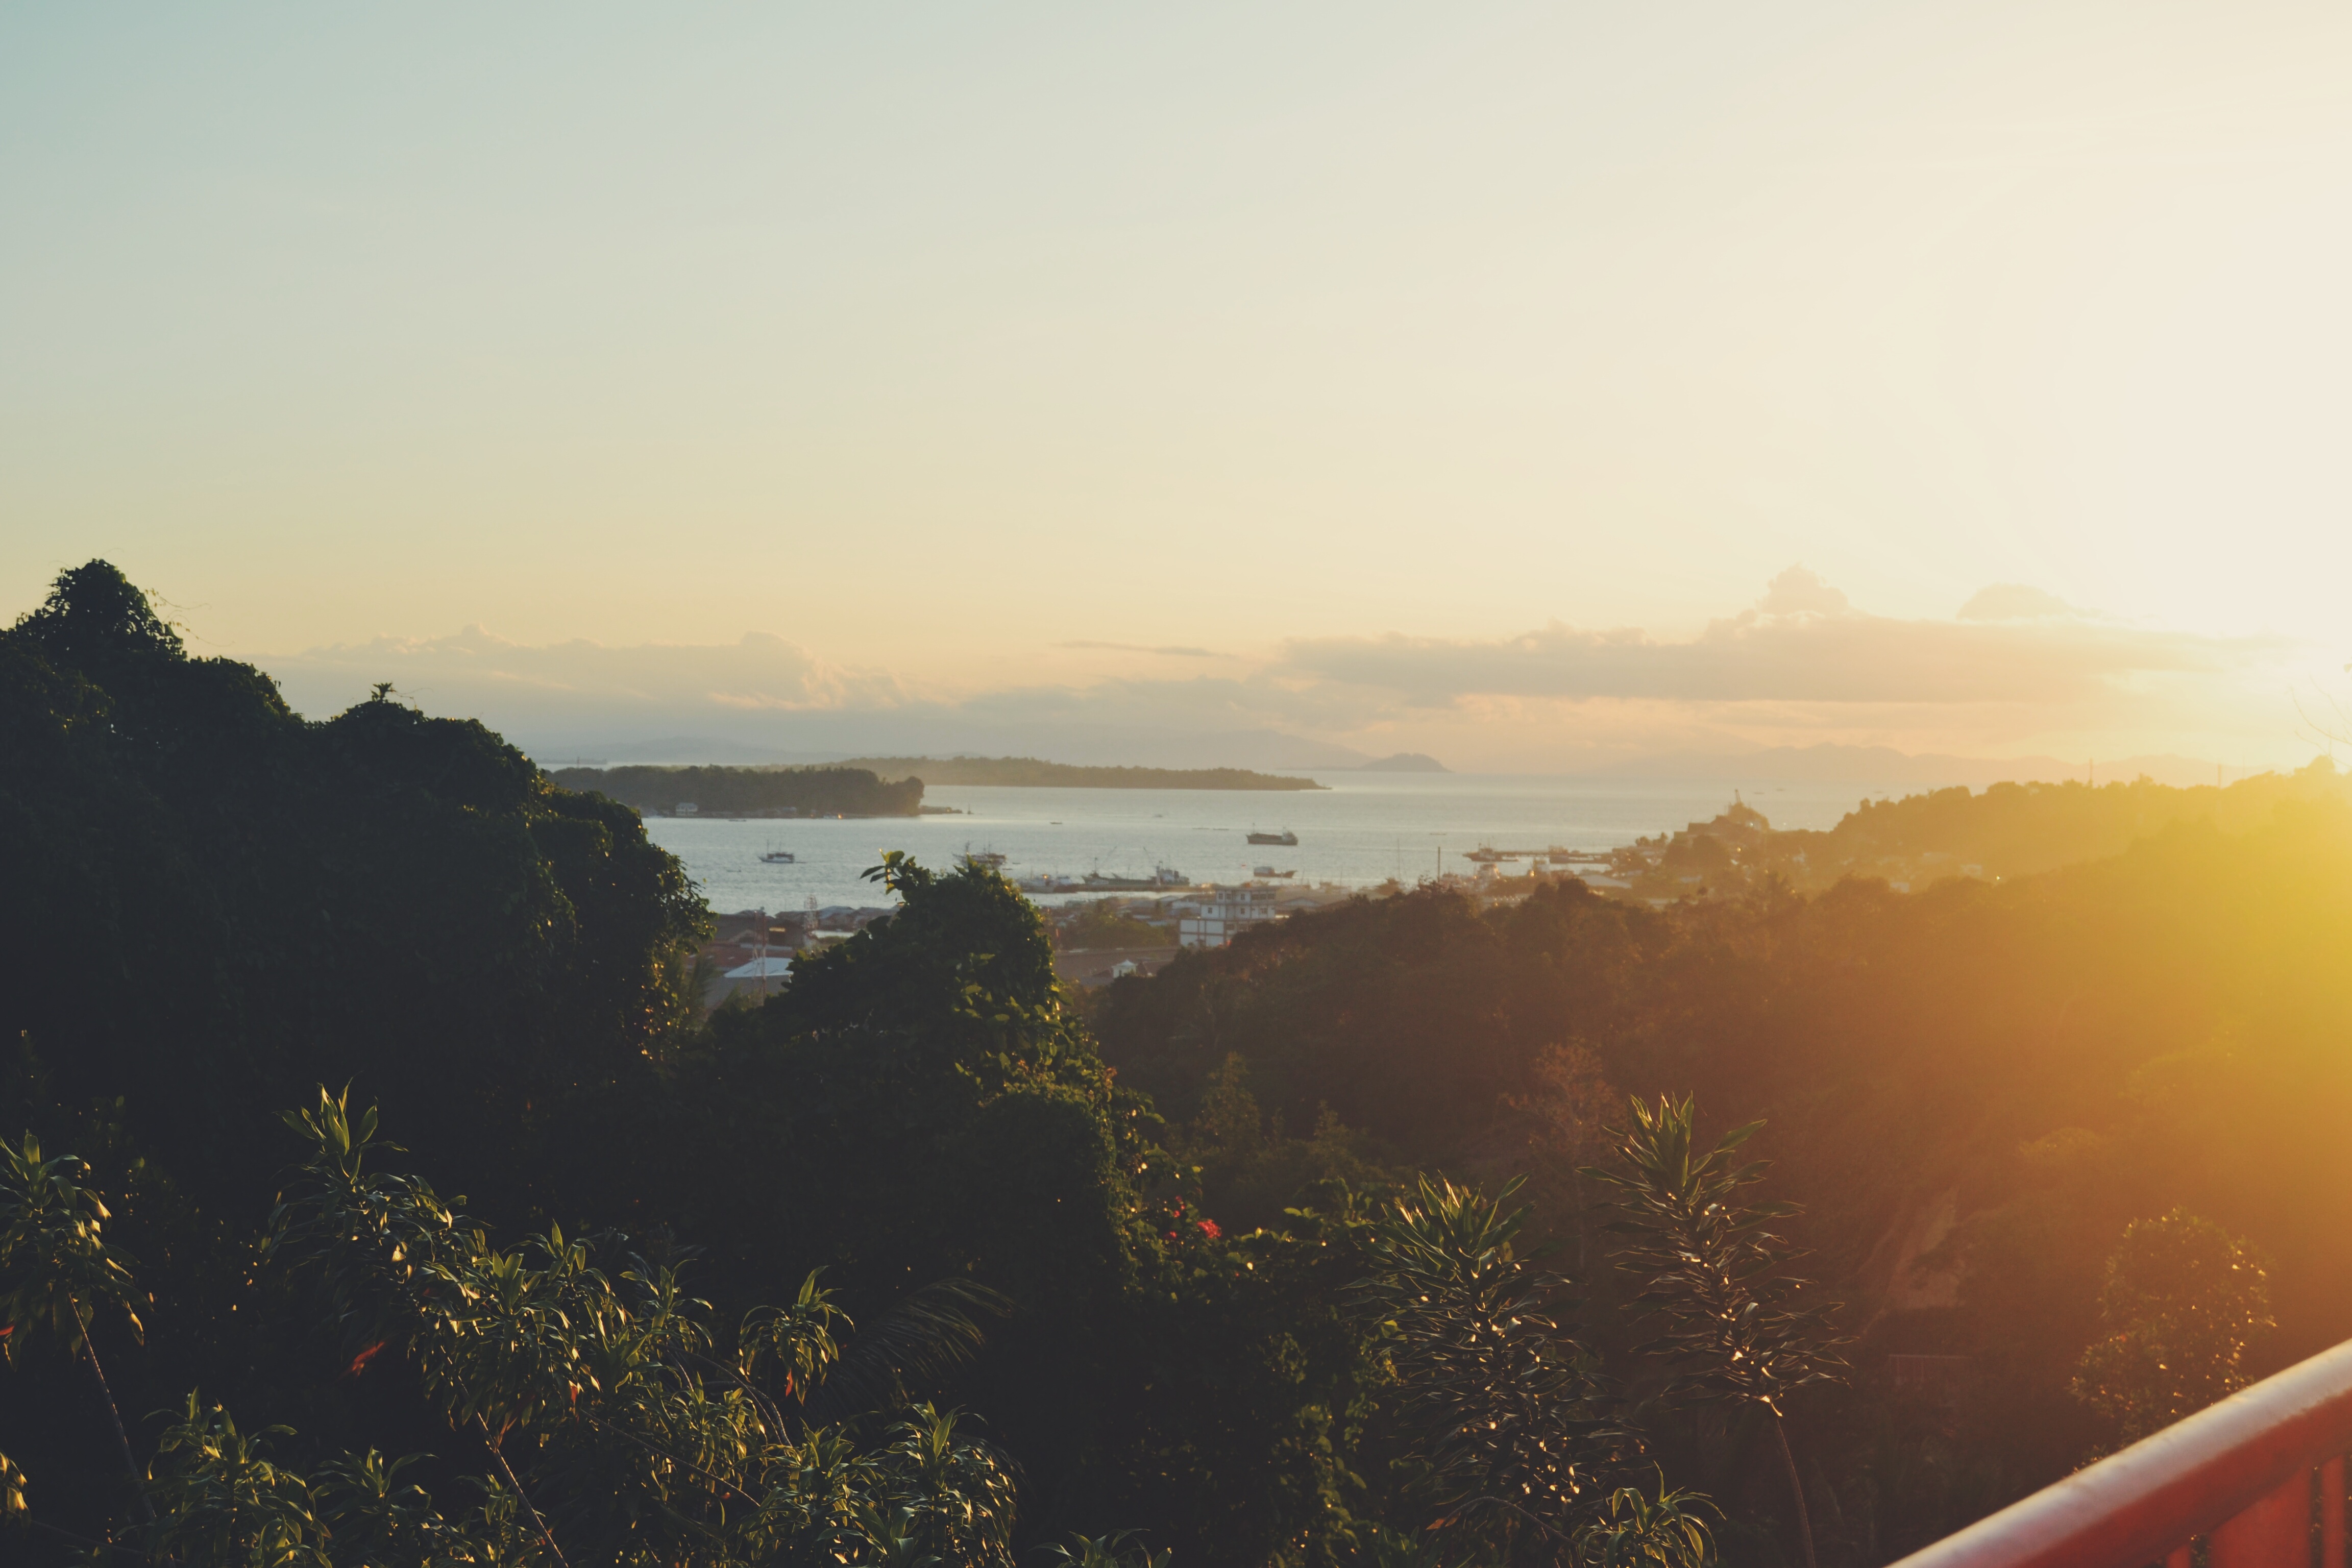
x,y
1029,773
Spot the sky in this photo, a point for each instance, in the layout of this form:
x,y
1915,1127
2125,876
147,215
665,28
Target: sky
x,y
1542,386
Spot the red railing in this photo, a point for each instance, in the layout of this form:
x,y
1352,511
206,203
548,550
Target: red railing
x,y
2259,1478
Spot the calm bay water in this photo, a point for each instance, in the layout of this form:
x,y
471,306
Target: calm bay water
x,y
1363,830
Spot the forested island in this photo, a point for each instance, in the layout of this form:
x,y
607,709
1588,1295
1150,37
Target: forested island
x,y
1028,773
846,789
1354,1243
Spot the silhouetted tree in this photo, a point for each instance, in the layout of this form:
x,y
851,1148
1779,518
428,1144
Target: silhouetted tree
x,y
2182,1302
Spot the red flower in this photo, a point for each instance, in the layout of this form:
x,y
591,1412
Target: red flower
x,y
359,1361
1208,1229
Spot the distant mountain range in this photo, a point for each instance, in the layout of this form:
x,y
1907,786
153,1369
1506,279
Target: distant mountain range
x,y
1405,763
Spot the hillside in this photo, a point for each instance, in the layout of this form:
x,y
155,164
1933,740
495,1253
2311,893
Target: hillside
x,y
1028,773
2007,830
1973,1090
845,789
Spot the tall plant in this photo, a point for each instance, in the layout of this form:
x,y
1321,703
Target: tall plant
x,y
1638,1530
1507,1411
1734,1325
57,1276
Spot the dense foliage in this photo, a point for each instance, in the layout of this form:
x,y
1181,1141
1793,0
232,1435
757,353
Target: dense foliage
x,y
1974,1091
2182,1304
1103,924
203,897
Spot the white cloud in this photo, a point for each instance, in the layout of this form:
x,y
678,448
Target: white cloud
x,y
477,673
1801,592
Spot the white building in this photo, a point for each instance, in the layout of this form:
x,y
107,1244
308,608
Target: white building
x,y
1218,916
764,977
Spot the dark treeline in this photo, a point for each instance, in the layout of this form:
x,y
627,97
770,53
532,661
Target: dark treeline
x,y
822,791
208,898
903,1265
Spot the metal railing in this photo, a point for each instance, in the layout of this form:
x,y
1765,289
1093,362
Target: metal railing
x,y
2259,1478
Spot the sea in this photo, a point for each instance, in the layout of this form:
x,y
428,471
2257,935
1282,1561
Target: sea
x,y
1364,830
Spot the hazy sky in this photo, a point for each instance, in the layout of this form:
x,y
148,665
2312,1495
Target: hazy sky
x,y
1361,372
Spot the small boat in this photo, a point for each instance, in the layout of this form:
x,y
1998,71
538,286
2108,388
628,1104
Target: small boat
x,y
1483,855
1286,838
1270,871
777,857
983,859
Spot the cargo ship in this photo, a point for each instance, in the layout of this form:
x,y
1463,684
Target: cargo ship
x,y
1286,838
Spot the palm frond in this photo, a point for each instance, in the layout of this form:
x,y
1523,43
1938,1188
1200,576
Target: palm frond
x,y
912,1345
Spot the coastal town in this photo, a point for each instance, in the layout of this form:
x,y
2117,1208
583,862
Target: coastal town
x,y
1138,925
1108,928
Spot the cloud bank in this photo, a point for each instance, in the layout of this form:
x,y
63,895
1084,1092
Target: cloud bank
x,y
478,672
1802,643
2015,668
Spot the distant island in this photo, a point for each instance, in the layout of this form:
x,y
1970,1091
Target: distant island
x,y
828,790
1405,762
1028,773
